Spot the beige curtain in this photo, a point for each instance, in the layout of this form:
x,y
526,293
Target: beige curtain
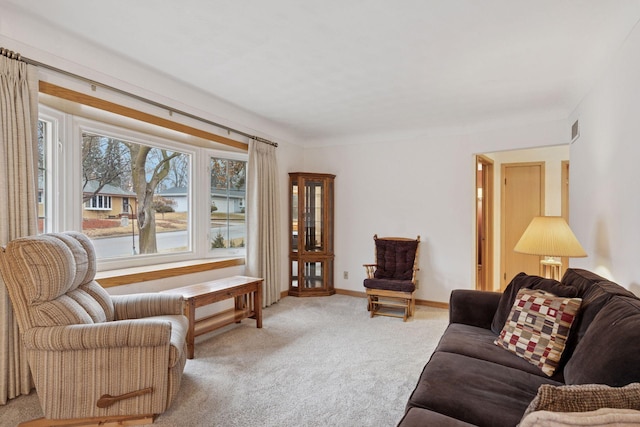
x,y
18,203
263,219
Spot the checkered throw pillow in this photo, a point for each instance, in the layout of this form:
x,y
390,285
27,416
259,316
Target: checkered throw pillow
x,y
538,326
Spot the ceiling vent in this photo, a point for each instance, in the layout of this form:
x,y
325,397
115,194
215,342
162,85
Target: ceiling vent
x,y
575,131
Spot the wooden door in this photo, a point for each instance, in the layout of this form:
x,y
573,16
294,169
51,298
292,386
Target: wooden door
x,y
522,199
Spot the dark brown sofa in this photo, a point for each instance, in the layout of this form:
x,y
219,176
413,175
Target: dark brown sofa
x,y
471,381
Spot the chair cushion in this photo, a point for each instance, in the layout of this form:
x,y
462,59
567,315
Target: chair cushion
x,y
390,285
84,254
395,259
55,272
44,265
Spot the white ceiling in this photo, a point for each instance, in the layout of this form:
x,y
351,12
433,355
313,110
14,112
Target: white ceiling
x,y
335,68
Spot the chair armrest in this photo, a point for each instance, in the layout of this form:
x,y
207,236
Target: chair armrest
x,y
138,306
371,268
471,307
123,333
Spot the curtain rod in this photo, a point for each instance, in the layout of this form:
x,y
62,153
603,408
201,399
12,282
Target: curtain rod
x,y
15,55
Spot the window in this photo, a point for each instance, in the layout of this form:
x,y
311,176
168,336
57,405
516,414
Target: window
x,y
46,131
228,194
133,193
98,202
44,134
118,166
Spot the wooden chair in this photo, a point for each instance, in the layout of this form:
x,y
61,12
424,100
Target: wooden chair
x,y
391,281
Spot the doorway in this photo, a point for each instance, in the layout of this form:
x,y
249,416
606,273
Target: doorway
x,y
484,223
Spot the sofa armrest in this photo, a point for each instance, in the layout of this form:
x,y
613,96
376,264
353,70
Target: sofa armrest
x,y
125,333
471,307
138,306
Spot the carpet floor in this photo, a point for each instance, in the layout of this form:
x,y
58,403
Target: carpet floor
x,y
316,362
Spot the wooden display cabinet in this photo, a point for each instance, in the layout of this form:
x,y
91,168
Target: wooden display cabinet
x,y
311,234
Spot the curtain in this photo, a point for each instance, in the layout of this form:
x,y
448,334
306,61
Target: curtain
x,y
18,203
263,219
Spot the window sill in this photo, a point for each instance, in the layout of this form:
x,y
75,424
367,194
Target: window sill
x,y
127,276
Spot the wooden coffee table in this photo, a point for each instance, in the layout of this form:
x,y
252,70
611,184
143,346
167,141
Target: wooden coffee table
x,y
246,291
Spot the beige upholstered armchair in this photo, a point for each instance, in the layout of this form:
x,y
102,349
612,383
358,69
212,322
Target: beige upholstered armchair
x,y
92,355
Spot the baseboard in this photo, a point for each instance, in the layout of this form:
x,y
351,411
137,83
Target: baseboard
x,y
358,294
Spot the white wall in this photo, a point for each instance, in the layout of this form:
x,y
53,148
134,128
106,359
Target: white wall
x,y
604,174
416,185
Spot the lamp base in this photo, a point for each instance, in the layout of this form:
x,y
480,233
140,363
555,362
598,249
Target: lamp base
x,y
551,268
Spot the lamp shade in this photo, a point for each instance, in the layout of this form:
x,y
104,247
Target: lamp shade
x,y
549,236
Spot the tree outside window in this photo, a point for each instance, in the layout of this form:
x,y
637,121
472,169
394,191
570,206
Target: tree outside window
x,y
133,173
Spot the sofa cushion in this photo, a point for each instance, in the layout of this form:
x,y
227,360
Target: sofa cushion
x,y
520,281
583,398
475,391
538,326
595,292
479,343
609,352
420,417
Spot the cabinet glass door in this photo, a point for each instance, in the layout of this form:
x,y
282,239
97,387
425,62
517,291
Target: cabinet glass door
x,y
313,221
294,274
313,274
294,217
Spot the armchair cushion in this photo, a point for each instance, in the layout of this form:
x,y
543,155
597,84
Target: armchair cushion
x,y
395,259
390,285
136,306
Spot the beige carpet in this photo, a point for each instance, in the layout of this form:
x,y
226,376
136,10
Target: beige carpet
x,y
316,362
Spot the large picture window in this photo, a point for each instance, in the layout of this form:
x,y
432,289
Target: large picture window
x,y
135,194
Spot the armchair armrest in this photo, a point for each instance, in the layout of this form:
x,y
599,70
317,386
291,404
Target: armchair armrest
x,y
371,268
124,333
472,307
138,306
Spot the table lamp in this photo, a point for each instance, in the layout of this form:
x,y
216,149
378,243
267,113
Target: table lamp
x,y
550,236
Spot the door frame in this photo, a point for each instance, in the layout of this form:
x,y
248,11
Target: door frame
x,y
484,273
564,203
